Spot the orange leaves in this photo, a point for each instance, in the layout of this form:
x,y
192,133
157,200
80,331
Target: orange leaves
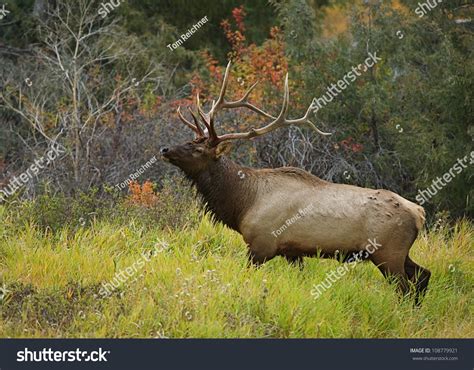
x,y
212,66
142,195
183,103
235,38
266,63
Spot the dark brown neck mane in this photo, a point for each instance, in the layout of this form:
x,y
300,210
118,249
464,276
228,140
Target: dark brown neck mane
x,y
228,190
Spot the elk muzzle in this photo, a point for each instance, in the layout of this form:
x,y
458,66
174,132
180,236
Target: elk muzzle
x,y
164,152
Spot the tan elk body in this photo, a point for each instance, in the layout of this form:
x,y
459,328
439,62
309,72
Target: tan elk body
x,y
342,217
288,211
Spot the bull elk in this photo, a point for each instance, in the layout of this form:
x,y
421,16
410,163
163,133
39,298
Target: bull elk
x,y
257,202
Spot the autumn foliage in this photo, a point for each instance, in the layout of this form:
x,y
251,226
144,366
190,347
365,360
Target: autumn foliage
x,y
142,195
266,63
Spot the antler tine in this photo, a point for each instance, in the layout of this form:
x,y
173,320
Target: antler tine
x,y
206,119
277,122
305,119
286,103
220,99
196,122
195,128
201,112
209,116
281,119
242,102
221,103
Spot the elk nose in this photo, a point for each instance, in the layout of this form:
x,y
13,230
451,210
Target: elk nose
x,y
164,150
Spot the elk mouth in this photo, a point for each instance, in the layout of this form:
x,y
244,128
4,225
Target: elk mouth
x,y
170,158
165,152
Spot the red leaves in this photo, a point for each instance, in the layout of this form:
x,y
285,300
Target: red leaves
x,y
266,63
238,14
349,144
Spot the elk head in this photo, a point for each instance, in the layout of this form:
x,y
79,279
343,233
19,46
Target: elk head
x,y
207,147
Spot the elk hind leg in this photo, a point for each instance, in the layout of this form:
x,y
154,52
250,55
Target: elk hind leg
x,y
393,269
419,276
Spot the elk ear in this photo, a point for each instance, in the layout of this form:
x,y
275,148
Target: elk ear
x,y
223,148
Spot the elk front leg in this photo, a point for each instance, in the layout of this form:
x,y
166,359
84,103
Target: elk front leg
x,y
255,259
258,255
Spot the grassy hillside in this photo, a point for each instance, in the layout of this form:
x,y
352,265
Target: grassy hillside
x,y
194,282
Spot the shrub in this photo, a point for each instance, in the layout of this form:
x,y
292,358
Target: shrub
x,y
173,205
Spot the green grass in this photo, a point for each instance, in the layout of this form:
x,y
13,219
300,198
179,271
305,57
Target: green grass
x,y
201,287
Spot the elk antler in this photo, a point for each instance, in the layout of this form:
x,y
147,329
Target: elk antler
x,y
221,103
195,127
